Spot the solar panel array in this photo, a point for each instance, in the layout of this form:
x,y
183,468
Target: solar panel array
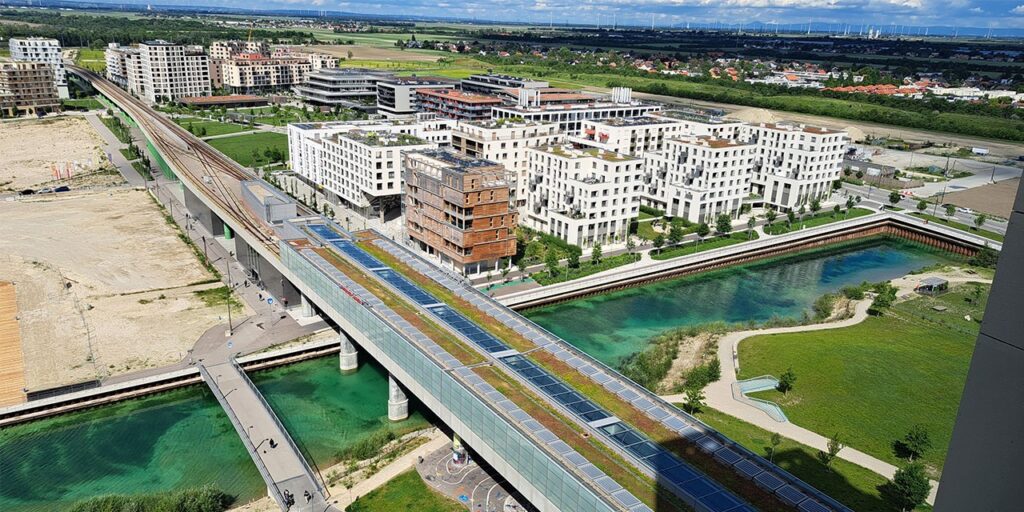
x,y
766,475
699,490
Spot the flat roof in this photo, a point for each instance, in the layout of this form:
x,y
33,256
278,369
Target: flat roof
x,y
218,100
460,96
457,161
587,152
382,139
597,105
632,121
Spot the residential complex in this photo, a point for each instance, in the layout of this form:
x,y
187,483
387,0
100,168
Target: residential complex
x,y
360,163
456,104
491,83
340,87
249,71
583,195
570,117
45,51
630,135
397,97
699,177
159,70
506,142
223,50
795,164
457,210
27,88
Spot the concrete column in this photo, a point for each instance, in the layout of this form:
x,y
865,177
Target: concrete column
x,y
307,307
348,357
398,404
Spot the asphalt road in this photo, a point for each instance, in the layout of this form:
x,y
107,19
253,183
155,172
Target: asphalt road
x,y
878,197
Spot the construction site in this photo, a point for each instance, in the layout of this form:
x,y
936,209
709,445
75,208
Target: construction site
x,y
94,282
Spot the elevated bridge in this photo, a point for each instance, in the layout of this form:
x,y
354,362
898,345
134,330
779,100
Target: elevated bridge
x,y
564,430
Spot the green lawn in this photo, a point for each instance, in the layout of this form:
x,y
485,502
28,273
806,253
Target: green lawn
x,y
405,492
93,60
712,242
241,147
586,268
212,127
645,229
873,381
819,219
846,482
82,104
991,235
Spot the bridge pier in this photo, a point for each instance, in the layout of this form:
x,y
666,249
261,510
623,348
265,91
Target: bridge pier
x,y
307,307
348,356
398,403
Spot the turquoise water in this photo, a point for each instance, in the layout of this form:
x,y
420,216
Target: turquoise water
x,y
182,438
612,326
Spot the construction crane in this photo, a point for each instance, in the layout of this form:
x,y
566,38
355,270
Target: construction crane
x,y
252,25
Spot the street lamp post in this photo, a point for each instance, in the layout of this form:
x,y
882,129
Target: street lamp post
x,y
230,289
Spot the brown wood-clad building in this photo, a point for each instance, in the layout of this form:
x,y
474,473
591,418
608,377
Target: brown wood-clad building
x,y
457,209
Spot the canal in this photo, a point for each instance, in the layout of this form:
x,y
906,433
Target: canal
x,y
614,325
182,438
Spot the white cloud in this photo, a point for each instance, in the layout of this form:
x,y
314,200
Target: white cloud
x,y
1018,10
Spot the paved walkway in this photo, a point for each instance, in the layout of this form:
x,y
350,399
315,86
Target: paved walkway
x,y
113,147
719,395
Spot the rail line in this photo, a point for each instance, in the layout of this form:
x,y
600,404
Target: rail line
x,y
214,165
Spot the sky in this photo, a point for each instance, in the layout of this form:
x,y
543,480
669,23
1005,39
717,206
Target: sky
x,y
887,14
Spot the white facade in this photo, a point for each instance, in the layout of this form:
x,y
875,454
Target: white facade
x,y
699,177
505,142
570,117
46,51
697,123
629,135
584,195
160,71
118,59
360,162
795,164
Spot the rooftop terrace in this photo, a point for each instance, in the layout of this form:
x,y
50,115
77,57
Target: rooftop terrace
x,y
567,151
383,139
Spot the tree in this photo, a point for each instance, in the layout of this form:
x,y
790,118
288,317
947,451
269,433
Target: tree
x,y
750,227
694,400
506,267
703,230
630,245
894,198
676,232
815,206
979,221
723,224
769,216
916,442
551,261
573,259
950,210
922,205
595,254
908,488
835,210
850,202
659,241
775,441
834,445
790,218
786,381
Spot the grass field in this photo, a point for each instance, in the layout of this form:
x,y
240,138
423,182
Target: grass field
x,y
212,127
404,492
810,221
873,381
82,104
242,147
850,484
90,59
712,242
991,235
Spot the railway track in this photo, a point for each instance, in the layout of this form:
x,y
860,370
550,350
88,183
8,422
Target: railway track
x,y
204,167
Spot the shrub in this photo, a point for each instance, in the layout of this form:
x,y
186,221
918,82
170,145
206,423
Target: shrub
x,y
198,499
823,306
650,210
853,292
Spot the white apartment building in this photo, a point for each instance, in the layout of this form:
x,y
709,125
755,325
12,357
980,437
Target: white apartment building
x,y
344,86
396,97
695,122
223,50
118,59
46,51
506,142
699,177
245,72
570,117
795,164
582,195
162,71
629,135
359,163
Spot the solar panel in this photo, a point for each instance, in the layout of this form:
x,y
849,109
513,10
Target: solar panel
x,y
698,487
769,481
679,474
790,494
748,469
813,506
728,456
720,502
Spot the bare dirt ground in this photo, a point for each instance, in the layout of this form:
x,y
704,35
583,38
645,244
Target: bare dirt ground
x,y
104,285
995,199
32,147
693,352
360,52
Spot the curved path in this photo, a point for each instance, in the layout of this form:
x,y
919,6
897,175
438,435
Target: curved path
x,y
719,395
